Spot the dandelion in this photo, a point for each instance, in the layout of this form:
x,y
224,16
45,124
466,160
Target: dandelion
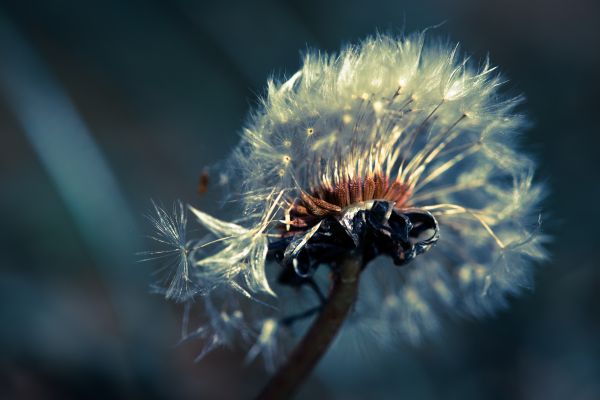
x,y
392,166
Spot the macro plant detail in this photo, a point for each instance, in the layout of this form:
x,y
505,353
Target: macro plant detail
x,y
394,167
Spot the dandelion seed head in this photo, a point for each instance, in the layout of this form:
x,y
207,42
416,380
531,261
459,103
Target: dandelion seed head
x,y
405,136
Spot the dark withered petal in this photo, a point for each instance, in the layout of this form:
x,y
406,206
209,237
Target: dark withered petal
x,y
378,230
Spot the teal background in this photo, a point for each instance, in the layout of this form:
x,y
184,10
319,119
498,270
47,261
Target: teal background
x,y
107,104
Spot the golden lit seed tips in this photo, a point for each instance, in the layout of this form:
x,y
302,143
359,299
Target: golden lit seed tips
x,y
465,274
442,290
391,301
411,296
310,131
347,119
480,271
281,172
377,106
287,144
286,159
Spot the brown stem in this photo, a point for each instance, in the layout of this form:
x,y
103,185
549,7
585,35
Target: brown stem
x,y
320,335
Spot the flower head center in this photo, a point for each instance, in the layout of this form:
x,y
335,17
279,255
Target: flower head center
x,y
332,199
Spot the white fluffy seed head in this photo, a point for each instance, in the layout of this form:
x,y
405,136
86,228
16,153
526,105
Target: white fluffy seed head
x,y
415,111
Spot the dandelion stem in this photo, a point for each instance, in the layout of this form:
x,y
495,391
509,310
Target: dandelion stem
x,y
286,381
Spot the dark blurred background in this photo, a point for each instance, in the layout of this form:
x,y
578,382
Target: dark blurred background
x,y
107,104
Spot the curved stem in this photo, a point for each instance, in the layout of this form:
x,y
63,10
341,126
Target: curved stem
x,y
319,337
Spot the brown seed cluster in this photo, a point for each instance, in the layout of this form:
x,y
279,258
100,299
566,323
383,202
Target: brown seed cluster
x,y
327,201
